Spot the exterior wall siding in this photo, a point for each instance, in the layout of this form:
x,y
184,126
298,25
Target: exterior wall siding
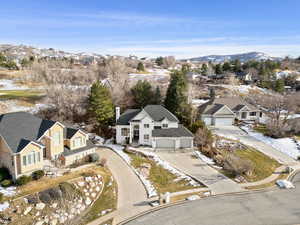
x,y
72,158
78,134
28,169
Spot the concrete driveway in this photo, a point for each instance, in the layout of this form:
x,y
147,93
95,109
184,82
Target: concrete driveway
x,y
198,169
132,196
278,207
236,133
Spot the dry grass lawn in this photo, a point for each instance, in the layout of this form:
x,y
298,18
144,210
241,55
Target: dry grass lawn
x,y
161,178
48,182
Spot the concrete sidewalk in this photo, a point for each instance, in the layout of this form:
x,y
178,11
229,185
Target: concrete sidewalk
x,y
215,181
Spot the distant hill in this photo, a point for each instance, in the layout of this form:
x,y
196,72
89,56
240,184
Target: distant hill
x,y
244,57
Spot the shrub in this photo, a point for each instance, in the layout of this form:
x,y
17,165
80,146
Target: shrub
x,y
69,191
36,175
196,125
103,162
6,183
1,197
44,196
94,157
4,174
23,180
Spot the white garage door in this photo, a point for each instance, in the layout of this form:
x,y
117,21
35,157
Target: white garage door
x,y
165,143
185,143
223,121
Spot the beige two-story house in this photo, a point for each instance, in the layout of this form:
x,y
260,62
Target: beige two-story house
x,y
26,141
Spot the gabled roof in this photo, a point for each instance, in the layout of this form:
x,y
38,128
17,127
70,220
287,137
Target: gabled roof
x,y
232,102
127,116
20,128
238,107
70,132
215,108
158,113
181,131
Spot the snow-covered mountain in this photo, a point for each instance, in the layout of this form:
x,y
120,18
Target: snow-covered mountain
x,y
259,56
19,52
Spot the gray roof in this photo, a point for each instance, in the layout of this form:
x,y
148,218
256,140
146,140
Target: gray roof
x,y
181,131
238,107
127,116
158,113
212,109
88,146
233,102
19,128
69,132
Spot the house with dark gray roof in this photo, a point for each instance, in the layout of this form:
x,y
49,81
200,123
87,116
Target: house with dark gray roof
x,y
223,111
153,126
27,141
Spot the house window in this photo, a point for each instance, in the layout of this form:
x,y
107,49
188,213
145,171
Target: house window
x,y
252,113
77,142
165,125
56,138
260,114
24,160
146,125
146,137
124,132
157,127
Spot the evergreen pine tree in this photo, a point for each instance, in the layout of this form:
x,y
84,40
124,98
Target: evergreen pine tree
x,y
142,94
140,67
176,100
157,99
218,69
279,85
226,67
100,105
204,69
159,61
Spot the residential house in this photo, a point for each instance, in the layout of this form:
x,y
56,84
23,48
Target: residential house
x,y
224,111
28,143
152,126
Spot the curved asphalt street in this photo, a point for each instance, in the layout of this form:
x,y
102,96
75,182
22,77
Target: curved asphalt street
x,y
276,207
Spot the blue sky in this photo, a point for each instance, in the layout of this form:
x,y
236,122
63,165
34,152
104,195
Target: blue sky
x,y
152,28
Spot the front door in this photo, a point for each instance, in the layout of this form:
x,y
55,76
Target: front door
x,y
136,132
244,115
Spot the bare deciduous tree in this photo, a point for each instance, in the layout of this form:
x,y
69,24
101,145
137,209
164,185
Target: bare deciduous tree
x,y
169,61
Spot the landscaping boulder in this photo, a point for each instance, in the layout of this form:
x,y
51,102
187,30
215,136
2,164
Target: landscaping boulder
x,y
40,206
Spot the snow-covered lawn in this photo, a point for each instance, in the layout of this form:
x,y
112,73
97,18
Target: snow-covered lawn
x,y
243,89
204,158
4,206
198,102
10,85
285,145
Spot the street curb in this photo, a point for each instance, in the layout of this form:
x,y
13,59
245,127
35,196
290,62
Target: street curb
x,y
291,176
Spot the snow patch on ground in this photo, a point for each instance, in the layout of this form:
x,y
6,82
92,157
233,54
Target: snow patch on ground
x,y
4,206
151,191
10,191
198,102
204,158
285,145
243,89
10,85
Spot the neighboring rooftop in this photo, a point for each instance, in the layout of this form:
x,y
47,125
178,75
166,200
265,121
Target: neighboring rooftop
x,y
127,116
19,128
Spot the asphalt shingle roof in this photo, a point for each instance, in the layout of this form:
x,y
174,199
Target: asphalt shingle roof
x,y
19,128
70,132
127,116
68,152
158,113
181,131
212,109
